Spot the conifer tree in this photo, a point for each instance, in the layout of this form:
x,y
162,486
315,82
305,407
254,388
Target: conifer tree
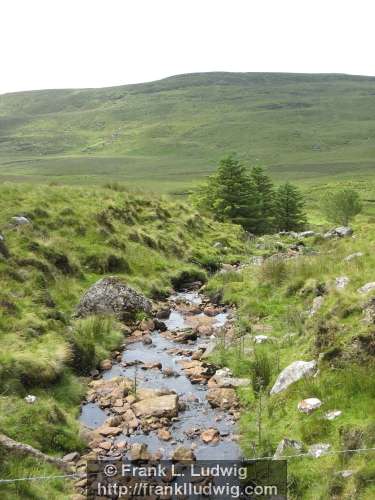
x,y
289,206
266,200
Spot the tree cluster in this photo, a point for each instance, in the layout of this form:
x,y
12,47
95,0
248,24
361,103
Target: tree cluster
x,y
250,199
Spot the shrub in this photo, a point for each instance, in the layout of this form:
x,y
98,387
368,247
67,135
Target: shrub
x,y
273,271
342,207
261,370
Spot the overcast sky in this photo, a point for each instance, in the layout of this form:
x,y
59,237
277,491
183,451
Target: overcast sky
x,y
96,43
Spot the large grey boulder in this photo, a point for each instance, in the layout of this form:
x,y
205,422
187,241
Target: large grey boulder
x,y
112,296
292,373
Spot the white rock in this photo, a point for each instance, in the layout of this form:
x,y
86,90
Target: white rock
x,y
309,405
20,220
292,373
368,287
345,473
331,415
316,305
260,339
341,282
339,232
353,256
30,399
318,450
305,234
284,445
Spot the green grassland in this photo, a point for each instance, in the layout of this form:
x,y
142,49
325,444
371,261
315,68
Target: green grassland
x,y
274,299
168,134
78,235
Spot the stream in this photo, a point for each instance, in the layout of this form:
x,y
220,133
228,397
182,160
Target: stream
x,y
196,414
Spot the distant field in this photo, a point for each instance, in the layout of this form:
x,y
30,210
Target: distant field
x,y
168,135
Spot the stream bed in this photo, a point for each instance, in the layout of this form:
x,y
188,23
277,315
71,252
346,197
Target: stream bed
x,y
196,414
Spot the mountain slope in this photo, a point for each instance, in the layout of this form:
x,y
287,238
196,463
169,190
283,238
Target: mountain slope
x,y
176,129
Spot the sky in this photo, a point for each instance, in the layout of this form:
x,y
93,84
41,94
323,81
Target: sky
x,y
97,43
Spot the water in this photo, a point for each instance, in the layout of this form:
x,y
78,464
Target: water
x,y
198,413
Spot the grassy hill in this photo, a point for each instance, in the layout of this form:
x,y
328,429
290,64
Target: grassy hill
x,y
166,135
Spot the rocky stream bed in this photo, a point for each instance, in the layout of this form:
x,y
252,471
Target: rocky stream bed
x,y
159,398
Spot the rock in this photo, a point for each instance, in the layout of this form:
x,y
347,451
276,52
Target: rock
x,y
224,378
147,325
292,373
106,430
316,305
369,311
284,445
353,256
163,313
161,406
160,326
331,415
139,452
318,450
309,405
94,373
210,347
368,287
196,356
151,366
30,399
147,340
341,282
182,454
112,296
210,435
106,364
169,372
71,457
260,339
164,434
20,220
3,248
305,234
185,335
345,473
339,232
224,398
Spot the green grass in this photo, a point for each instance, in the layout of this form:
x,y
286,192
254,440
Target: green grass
x,y
77,236
278,296
166,135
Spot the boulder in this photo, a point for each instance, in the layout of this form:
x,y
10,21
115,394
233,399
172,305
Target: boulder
x,y
368,287
341,282
353,256
112,296
224,378
318,450
292,373
309,405
331,415
284,445
305,234
164,434
20,220
139,452
224,398
369,311
106,364
71,457
316,305
3,248
210,435
161,406
339,232
182,454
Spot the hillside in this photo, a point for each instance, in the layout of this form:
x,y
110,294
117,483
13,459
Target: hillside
x,y
165,135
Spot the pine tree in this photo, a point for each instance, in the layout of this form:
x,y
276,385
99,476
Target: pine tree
x,y
266,200
289,206
230,194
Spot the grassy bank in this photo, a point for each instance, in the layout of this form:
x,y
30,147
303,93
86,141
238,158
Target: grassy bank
x,y
76,236
274,299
